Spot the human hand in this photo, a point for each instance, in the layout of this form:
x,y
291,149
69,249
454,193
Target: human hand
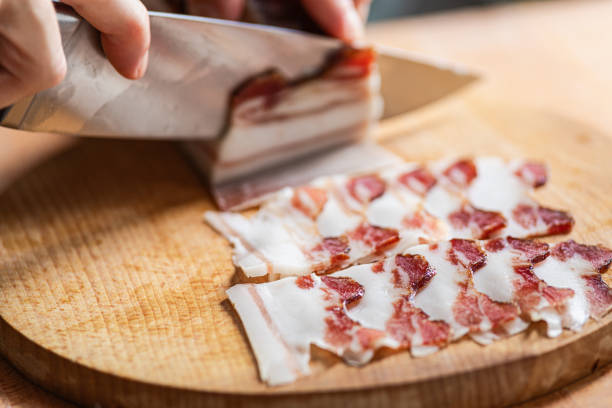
x,y
31,54
341,18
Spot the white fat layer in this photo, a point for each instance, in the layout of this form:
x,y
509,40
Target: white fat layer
x,y
422,351
387,211
375,308
252,264
273,365
332,105
496,278
441,203
516,326
568,274
297,319
438,297
247,141
546,313
334,221
496,188
271,240
314,95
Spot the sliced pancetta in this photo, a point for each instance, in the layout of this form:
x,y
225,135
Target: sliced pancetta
x,y
272,120
343,220
421,299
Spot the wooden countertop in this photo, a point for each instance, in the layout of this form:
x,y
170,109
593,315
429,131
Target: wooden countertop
x,y
550,55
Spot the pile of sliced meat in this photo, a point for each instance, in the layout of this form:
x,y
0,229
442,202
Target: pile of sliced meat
x,y
339,221
413,256
421,299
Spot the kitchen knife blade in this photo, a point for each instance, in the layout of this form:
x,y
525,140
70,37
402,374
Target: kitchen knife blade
x,y
194,65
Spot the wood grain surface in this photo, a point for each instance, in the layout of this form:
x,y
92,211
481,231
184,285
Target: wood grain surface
x,y
109,276
479,112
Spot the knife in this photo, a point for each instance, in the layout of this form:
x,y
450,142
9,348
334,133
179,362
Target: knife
x,y
194,65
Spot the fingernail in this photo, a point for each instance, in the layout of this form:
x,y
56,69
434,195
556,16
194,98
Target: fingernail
x,y
353,25
141,68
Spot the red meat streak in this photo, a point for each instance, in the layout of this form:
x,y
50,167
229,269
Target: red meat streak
x,y
419,181
375,237
461,173
482,223
366,188
557,222
533,174
316,196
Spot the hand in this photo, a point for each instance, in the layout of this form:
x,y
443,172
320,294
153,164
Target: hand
x,y
341,18
31,54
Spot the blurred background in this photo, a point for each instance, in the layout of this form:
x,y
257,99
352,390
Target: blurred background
x,y
385,9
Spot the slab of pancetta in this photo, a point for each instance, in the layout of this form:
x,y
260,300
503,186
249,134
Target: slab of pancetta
x,y
273,120
421,299
343,220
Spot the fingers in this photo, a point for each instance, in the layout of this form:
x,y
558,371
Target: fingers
x,y
363,8
339,18
31,54
226,9
125,32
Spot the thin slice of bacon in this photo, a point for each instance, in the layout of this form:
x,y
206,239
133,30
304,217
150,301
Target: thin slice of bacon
x,y
421,299
589,262
338,221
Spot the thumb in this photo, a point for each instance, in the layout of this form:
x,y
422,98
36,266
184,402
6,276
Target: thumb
x,y
338,17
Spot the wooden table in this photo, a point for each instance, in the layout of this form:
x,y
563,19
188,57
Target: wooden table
x,y
560,59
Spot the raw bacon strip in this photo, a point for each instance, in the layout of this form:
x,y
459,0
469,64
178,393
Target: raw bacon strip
x,y
464,309
292,234
561,286
509,277
283,318
385,212
420,300
578,267
505,188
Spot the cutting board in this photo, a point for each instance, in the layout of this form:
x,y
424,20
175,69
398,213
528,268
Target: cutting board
x,y
112,288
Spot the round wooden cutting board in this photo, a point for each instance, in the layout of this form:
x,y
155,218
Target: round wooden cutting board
x,y
112,288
